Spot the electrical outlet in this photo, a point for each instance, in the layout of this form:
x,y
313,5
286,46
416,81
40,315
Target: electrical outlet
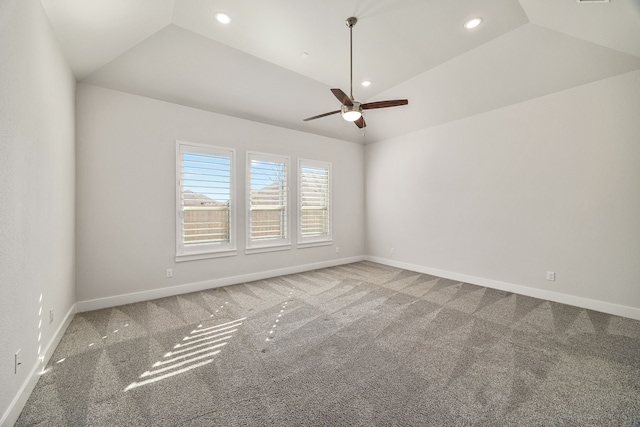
x,y
17,362
393,250
551,276
169,273
337,249
50,315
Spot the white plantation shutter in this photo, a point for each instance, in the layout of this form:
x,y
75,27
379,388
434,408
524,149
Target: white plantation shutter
x,y
205,199
315,201
268,217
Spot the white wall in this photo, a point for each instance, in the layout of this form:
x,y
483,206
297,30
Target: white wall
x,y
126,196
37,194
551,184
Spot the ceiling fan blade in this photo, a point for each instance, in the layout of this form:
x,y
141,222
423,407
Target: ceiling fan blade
x,y
384,104
320,115
342,97
360,122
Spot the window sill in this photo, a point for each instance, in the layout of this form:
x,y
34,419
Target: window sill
x,y
199,256
272,248
313,244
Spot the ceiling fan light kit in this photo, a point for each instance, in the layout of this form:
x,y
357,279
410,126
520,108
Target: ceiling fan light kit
x,y
351,110
351,113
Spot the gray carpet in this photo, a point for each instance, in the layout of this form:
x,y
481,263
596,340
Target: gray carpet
x,y
360,344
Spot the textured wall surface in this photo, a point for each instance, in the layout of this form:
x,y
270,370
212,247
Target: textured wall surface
x,y
126,192
551,184
37,190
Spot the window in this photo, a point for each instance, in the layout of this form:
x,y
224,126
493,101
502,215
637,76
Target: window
x,y
267,202
205,221
314,195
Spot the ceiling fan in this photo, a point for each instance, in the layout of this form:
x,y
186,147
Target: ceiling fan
x,y
351,109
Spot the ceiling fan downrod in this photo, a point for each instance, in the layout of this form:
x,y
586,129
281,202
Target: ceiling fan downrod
x,y
350,23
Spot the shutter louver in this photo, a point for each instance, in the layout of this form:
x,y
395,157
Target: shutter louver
x,y
205,191
314,201
268,200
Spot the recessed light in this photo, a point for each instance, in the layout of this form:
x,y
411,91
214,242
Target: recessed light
x,y
366,83
223,18
472,23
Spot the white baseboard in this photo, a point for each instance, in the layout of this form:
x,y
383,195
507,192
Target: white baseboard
x,y
12,413
605,307
117,300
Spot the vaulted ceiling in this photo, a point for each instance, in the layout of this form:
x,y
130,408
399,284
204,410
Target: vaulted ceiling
x,y
276,61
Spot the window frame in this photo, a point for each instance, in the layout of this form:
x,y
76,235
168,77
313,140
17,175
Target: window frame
x,y
212,250
277,244
315,240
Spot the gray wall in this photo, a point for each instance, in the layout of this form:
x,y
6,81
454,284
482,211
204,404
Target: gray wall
x,y
500,198
37,191
126,196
